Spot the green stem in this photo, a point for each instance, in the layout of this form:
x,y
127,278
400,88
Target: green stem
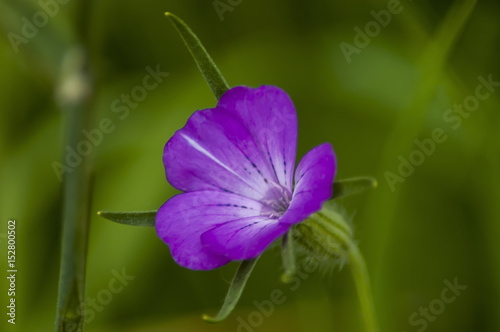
x,y
288,257
75,97
362,280
76,200
337,231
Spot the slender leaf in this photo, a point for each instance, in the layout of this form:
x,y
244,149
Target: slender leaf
x,y
235,290
135,218
205,63
348,187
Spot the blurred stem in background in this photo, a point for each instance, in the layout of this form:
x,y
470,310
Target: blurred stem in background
x,y
407,128
491,226
74,95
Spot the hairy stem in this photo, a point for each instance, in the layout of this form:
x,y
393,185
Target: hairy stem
x,y
329,229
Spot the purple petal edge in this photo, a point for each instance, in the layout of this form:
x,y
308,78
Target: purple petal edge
x,y
313,184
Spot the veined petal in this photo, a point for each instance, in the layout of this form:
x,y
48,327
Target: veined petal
x,y
215,151
269,115
313,184
243,238
246,145
184,218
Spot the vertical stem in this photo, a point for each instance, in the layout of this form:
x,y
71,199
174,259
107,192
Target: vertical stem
x,y
288,257
362,281
490,186
333,230
74,97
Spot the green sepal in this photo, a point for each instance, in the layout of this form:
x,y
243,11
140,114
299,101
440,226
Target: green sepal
x,y
235,289
352,186
322,234
207,66
135,218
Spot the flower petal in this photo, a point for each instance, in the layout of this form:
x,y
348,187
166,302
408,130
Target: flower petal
x,y
270,116
184,218
246,145
244,238
313,184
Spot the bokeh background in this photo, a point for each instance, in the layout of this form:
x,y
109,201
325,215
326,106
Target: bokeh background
x,y
440,223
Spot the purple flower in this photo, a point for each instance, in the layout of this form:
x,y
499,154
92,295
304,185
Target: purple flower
x,y
235,165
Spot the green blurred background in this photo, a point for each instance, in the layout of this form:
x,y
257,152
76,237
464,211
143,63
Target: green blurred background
x,y
440,223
